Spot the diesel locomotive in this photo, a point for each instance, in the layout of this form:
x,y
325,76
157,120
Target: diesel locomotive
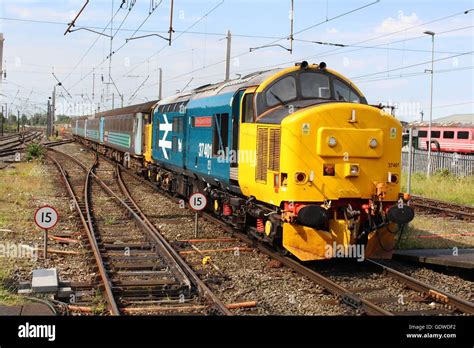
x,y
294,157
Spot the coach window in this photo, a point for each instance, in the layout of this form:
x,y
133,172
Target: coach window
x,y
448,134
463,135
247,109
435,134
422,134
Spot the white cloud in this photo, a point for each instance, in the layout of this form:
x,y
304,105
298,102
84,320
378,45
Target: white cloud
x,y
332,31
395,24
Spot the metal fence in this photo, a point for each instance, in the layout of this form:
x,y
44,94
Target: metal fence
x,y
461,165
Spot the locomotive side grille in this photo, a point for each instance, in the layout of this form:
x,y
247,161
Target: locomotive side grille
x,y
274,153
262,154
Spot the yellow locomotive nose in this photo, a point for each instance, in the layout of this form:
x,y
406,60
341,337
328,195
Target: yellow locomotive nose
x,y
348,150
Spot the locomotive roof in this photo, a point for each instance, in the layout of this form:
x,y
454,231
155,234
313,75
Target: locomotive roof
x,y
131,109
207,90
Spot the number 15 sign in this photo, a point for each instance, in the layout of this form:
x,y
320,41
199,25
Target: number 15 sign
x,y
46,218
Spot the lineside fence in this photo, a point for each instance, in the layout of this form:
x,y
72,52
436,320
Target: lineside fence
x,y
456,164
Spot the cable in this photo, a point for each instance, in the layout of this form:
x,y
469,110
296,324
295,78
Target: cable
x,y
144,30
325,54
149,15
410,66
93,44
103,61
182,33
413,74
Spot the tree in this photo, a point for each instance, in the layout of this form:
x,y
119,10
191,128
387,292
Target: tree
x,y
24,119
12,119
63,119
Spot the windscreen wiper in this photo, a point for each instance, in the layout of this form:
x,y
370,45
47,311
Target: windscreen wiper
x,y
277,98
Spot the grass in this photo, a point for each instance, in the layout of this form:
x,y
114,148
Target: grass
x,y
442,186
446,230
7,296
21,186
110,220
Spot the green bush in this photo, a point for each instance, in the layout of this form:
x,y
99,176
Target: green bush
x,y
34,151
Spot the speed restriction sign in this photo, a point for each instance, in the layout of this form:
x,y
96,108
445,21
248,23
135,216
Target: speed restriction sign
x,y
46,217
197,201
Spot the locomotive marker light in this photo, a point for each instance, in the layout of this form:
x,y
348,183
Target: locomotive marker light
x,y
197,202
332,141
46,218
373,143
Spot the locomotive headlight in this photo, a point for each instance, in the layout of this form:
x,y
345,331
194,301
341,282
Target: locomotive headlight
x,y
351,170
332,141
354,169
373,143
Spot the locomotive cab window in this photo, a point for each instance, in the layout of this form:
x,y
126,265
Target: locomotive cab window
x,y
315,86
342,92
305,88
282,91
220,133
247,108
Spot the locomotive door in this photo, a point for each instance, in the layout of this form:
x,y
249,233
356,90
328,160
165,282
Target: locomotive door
x,y
101,130
147,137
236,124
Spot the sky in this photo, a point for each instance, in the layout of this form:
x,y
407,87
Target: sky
x,y
386,53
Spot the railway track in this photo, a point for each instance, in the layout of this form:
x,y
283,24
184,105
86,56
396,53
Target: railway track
x,y
434,206
139,271
370,300
18,144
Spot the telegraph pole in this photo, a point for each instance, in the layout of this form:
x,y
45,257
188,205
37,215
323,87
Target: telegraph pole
x,y
410,155
48,119
1,56
2,120
18,122
53,111
111,46
227,58
1,72
428,170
